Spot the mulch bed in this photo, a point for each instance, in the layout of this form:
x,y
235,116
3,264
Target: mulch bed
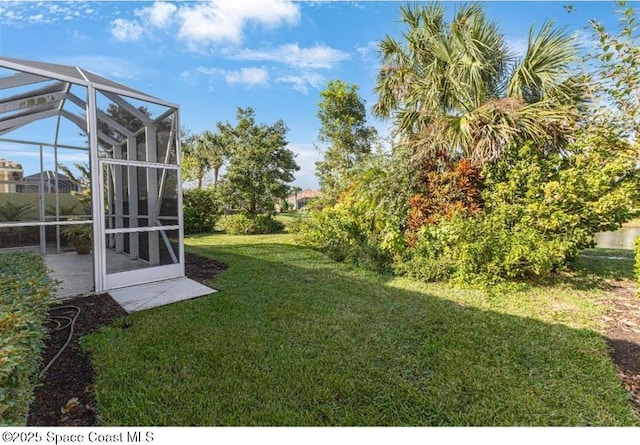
x,y
200,268
623,338
66,398
65,395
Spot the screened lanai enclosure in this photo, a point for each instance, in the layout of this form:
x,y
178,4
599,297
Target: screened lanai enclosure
x,y
83,157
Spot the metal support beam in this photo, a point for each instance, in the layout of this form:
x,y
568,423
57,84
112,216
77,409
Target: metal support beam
x,y
97,192
132,172
152,195
16,122
124,131
20,79
43,241
179,191
22,104
130,108
118,196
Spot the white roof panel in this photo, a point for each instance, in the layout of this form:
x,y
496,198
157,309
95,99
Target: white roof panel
x,y
77,76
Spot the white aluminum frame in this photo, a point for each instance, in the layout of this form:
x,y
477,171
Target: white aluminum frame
x,y
51,102
41,223
143,275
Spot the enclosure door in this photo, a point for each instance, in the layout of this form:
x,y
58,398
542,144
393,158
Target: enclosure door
x,y
142,241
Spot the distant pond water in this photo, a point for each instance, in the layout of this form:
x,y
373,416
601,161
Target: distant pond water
x,y
620,239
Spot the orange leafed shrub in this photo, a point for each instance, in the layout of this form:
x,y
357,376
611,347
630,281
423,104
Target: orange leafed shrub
x,y
448,187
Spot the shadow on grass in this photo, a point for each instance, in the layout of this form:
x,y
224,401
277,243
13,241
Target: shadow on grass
x,y
590,272
599,268
295,339
627,352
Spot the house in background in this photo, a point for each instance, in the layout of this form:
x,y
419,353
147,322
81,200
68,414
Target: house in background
x,y
9,173
300,199
32,182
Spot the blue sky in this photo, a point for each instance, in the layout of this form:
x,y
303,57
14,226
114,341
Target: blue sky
x,y
273,55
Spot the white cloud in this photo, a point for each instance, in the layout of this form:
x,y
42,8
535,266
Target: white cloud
x,y
108,66
78,36
306,157
219,21
126,30
585,40
250,76
317,57
517,47
369,51
203,23
303,81
37,18
160,14
21,13
307,63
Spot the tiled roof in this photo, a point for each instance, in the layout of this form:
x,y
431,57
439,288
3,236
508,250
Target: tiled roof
x,y
47,174
308,193
4,163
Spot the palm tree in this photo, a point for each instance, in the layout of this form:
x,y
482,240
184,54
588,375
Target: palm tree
x,y
207,152
456,88
212,148
294,190
194,165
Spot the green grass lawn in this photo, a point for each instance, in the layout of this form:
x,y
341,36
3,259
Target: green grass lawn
x,y
293,338
291,217
607,252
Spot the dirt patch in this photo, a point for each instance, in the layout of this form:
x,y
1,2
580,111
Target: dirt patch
x,y
201,268
65,395
623,337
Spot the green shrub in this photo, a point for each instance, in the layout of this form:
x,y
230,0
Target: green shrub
x,y
483,250
201,210
244,224
25,293
341,233
296,226
568,197
539,210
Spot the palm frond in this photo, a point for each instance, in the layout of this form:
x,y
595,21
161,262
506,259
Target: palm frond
x,y
546,64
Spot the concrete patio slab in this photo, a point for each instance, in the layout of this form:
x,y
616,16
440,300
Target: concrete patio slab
x,y
75,272
147,296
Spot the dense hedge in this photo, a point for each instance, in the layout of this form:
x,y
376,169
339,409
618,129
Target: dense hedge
x,y
201,210
341,232
243,224
25,293
526,215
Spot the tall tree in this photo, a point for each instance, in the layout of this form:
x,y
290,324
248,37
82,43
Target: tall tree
x,y
202,153
124,118
213,150
454,87
617,57
260,166
344,130
194,164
